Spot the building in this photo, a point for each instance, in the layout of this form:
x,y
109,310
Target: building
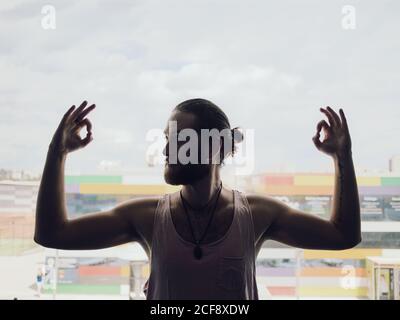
x,y
282,272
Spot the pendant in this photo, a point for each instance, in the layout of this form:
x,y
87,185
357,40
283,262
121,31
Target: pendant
x,y
197,252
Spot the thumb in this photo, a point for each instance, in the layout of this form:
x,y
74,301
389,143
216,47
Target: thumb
x,y
316,141
87,139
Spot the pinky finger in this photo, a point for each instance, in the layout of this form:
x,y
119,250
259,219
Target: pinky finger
x,y
344,121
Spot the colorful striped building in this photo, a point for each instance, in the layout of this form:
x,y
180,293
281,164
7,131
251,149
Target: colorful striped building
x,y
282,272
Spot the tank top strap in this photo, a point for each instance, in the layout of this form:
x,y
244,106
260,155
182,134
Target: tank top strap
x,y
160,224
246,228
245,218
159,235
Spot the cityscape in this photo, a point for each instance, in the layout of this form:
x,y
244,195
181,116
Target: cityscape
x,y
283,272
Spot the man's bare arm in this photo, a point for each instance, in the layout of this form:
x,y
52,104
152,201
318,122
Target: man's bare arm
x,y
301,229
122,224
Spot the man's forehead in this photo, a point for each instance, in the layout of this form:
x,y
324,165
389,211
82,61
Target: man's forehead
x,y
176,128
181,120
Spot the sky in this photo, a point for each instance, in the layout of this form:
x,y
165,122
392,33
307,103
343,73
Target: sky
x,y
269,65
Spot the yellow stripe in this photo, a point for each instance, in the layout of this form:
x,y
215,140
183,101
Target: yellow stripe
x,y
307,180
298,190
126,189
341,254
125,271
368,181
259,188
333,291
146,270
329,272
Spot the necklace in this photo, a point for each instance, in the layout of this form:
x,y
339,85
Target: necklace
x,y
199,208
198,253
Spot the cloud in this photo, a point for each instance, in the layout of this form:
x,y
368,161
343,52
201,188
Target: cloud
x,y
270,65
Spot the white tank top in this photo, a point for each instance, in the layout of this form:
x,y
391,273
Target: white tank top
x,y
225,271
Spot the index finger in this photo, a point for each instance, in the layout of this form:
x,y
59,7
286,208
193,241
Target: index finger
x,y
335,116
332,121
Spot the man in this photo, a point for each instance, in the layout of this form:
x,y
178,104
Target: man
x,y
202,241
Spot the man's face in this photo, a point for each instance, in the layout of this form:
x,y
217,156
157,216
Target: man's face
x,y
176,172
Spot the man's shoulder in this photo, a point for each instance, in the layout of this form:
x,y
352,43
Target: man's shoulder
x,y
263,206
257,200
144,205
140,212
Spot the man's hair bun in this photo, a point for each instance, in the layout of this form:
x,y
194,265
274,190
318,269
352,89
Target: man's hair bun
x,y
237,134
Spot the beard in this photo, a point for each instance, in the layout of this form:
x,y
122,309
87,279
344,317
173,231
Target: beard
x,y
179,174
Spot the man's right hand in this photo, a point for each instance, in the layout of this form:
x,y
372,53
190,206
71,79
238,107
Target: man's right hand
x,y
66,138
